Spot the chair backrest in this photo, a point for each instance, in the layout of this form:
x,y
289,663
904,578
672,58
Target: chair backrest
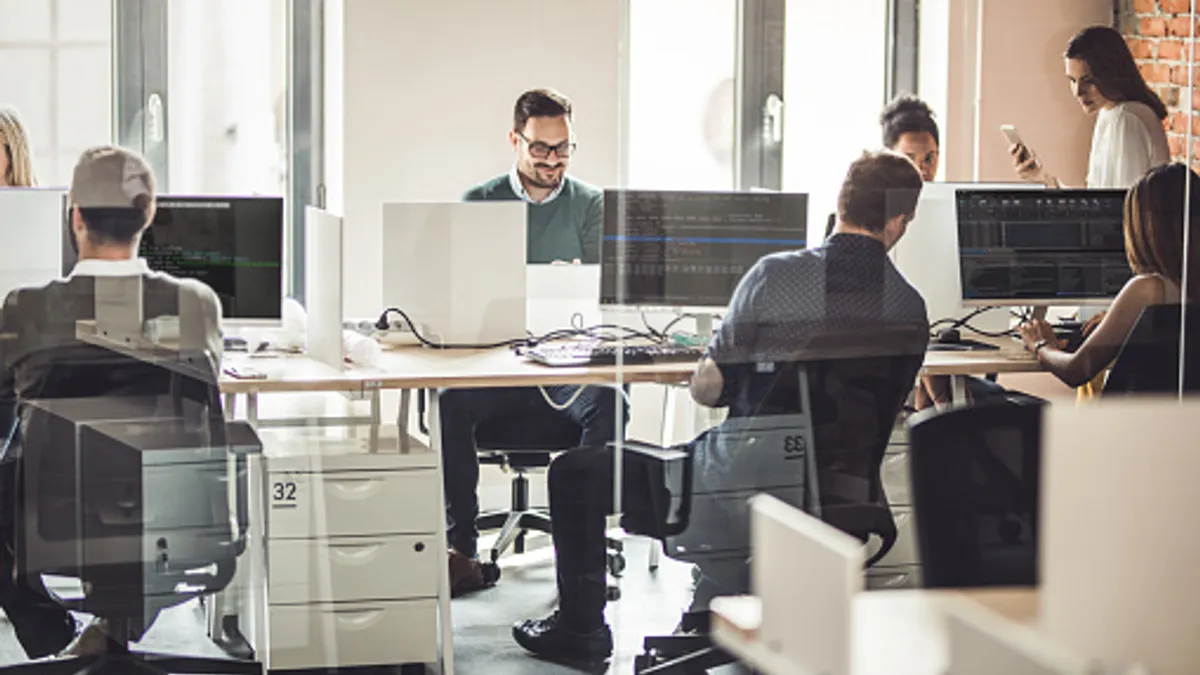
x,y
975,484
125,479
827,412
1148,362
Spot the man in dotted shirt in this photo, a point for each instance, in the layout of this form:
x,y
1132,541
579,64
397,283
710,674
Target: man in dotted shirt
x,y
848,284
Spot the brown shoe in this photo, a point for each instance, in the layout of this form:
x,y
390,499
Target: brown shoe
x,y
93,639
468,575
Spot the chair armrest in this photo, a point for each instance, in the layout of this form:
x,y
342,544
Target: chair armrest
x,y
242,439
673,453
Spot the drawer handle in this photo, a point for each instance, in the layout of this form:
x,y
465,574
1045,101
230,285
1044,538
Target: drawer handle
x,y
358,619
350,488
355,553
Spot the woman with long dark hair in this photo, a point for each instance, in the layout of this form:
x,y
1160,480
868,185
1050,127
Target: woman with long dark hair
x,y
1155,210
1129,138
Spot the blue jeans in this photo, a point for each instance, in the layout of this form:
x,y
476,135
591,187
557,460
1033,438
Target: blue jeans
x,y
464,410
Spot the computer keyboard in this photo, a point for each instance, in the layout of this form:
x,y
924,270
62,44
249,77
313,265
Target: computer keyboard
x,y
605,354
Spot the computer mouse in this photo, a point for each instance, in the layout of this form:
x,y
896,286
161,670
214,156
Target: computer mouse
x,y
949,336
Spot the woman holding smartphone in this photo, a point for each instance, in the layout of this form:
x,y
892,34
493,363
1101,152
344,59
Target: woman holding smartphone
x,y
1129,138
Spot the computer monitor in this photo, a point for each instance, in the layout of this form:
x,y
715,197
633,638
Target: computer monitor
x,y
690,249
1041,248
233,244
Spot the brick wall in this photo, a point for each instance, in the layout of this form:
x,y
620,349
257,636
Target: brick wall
x,y
1159,33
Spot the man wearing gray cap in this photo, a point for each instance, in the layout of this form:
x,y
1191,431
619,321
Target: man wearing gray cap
x,y
112,199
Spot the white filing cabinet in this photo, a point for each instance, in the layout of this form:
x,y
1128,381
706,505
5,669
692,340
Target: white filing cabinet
x,y
352,552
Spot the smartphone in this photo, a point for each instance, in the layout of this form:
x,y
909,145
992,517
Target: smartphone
x,y
245,373
1010,132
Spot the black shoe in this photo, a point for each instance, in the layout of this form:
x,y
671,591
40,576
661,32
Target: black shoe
x,y
550,639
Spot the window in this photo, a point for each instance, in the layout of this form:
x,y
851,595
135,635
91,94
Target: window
x,y
215,93
58,75
835,86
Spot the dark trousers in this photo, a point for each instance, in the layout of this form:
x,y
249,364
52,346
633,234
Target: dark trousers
x,y
464,410
43,627
581,498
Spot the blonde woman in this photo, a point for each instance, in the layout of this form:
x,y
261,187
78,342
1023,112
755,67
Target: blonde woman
x,y
16,166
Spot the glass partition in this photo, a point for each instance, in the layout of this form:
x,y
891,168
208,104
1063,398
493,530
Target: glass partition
x,y
730,287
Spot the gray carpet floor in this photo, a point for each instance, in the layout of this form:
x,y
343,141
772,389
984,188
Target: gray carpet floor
x,y
651,604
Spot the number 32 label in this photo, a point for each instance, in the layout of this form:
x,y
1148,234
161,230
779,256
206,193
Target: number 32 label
x,y
283,492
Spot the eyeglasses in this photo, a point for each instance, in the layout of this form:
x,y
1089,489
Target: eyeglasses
x,y
542,150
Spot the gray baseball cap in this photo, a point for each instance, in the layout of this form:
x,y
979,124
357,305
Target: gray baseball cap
x,y
112,177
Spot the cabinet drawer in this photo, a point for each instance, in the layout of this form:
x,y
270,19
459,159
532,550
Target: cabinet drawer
x,y
894,474
315,505
353,634
354,568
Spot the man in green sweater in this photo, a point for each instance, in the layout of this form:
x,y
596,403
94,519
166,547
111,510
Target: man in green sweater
x,y
564,212
564,227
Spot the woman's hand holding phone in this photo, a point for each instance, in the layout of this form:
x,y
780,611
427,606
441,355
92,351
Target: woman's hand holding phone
x,y
1026,165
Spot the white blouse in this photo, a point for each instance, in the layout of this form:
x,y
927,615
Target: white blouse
x,y
1128,141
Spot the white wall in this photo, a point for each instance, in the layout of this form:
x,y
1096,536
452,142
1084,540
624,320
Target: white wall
x,y
427,95
990,62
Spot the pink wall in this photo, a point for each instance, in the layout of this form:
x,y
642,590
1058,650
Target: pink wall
x,y
1003,65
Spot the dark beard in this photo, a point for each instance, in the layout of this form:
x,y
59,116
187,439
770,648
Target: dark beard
x,y
533,180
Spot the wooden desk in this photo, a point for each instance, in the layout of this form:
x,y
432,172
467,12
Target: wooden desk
x,y
1010,358
892,632
422,368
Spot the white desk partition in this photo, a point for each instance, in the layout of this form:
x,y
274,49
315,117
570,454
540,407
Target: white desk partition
x,y
457,269
555,294
807,574
927,255
1118,544
982,642
323,286
32,227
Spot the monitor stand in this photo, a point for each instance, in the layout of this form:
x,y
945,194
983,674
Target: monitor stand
x,y
704,326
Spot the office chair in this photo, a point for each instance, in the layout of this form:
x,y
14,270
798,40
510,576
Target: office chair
x,y
521,446
816,441
1148,362
124,483
975,481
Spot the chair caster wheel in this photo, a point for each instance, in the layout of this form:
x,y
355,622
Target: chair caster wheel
x,y
616,564
491,574
612,593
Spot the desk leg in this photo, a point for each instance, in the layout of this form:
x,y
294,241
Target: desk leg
x,y
376,416
670,397
402,420
444,622
252,408
958,390
230,405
